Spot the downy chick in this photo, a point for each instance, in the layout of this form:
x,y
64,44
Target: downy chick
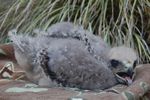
x,y
64,62
55,61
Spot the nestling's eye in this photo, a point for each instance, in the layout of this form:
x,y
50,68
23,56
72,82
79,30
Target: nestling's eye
x,y
114,63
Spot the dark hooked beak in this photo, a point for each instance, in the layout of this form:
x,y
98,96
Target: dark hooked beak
x,y
130,72
125,77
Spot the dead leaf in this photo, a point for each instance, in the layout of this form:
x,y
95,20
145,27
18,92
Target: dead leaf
x,y
2,52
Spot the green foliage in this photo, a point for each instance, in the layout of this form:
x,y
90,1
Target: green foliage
x,y
117,21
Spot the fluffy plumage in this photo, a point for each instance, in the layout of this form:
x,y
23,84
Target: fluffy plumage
x,y
78,59
123,62
124,54
94,44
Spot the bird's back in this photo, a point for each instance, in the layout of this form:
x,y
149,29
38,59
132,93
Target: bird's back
x,y
73,66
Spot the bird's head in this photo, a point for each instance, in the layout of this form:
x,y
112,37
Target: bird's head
x,y
123,61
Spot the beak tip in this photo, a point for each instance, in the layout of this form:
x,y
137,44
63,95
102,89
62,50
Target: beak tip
x,y
130,72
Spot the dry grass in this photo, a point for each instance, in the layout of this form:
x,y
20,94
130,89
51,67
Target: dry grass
x,y
117,21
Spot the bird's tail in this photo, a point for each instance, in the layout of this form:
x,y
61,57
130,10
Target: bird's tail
x,y
20,42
